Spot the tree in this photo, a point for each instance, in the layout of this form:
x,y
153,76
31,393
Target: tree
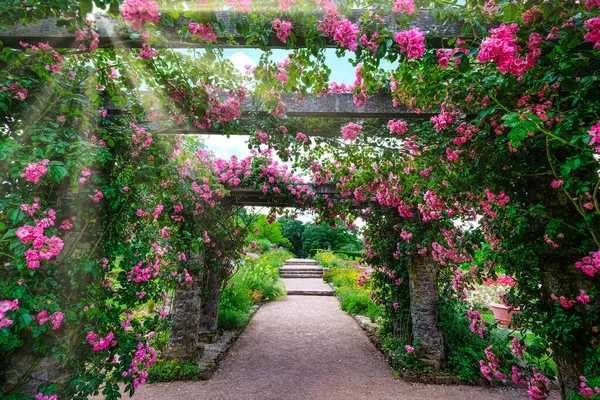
x,y
271,232
292,230
325,237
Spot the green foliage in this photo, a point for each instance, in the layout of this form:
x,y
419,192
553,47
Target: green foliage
x,y
257,279
361,305
232,318
354,298
173,370
324,237
292,230
351,255
270,232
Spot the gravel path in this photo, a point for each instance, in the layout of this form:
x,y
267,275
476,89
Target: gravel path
x,y
306,284
306,348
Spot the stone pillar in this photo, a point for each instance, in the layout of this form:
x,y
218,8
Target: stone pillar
x,y
562,279
183,341
424,309
211,295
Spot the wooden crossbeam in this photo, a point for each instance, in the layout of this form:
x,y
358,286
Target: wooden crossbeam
x,y
256,198
114,34
339,105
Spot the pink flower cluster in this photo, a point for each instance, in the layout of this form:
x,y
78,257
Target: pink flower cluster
x,y
490,369
538,386
56,318
411,42
242,6
594,35
100,343
34,171
19,94
30,209
595,134
44,248
138,12
262,136
445,56
82,35
6,306
585,390
442,120
146,53
501,48
590,265
500,281
583,297
140,137
283,29
477,323
285,5
41,396
409,349
404,7
351,131
517,348
203,31
98,195
144,356
301,137
346,33
564,302
397,127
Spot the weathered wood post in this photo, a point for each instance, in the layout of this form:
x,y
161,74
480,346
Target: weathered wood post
x,y
424,310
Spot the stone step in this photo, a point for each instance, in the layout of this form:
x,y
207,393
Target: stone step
x,y
301,270
304,292
293,276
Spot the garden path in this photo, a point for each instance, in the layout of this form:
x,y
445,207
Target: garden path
x,y
305,347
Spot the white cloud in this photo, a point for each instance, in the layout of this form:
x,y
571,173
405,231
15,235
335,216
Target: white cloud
x,y
240,60
225,147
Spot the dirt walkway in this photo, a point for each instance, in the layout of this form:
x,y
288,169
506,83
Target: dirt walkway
x,y
306,348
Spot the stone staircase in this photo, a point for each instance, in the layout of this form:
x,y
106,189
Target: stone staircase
x,y
304,277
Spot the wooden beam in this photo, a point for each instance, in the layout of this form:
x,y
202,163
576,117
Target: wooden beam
x,y
330,106
256,198
114,34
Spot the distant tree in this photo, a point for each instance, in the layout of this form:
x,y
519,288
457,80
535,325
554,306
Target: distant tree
x,y
271,232
325,237
292,230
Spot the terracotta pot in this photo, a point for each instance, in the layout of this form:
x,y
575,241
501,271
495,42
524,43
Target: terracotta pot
x,y
502,314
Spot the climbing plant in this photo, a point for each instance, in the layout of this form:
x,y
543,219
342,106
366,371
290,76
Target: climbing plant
x,y
506,153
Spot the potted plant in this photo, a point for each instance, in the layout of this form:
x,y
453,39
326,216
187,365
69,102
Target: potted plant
x,y
503,314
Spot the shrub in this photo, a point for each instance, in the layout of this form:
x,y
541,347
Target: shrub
x,y
173,370
231,319
361,305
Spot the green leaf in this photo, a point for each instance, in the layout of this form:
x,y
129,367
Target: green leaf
x,y
516,136
86,7
26,319
17,215
511,12
58,172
